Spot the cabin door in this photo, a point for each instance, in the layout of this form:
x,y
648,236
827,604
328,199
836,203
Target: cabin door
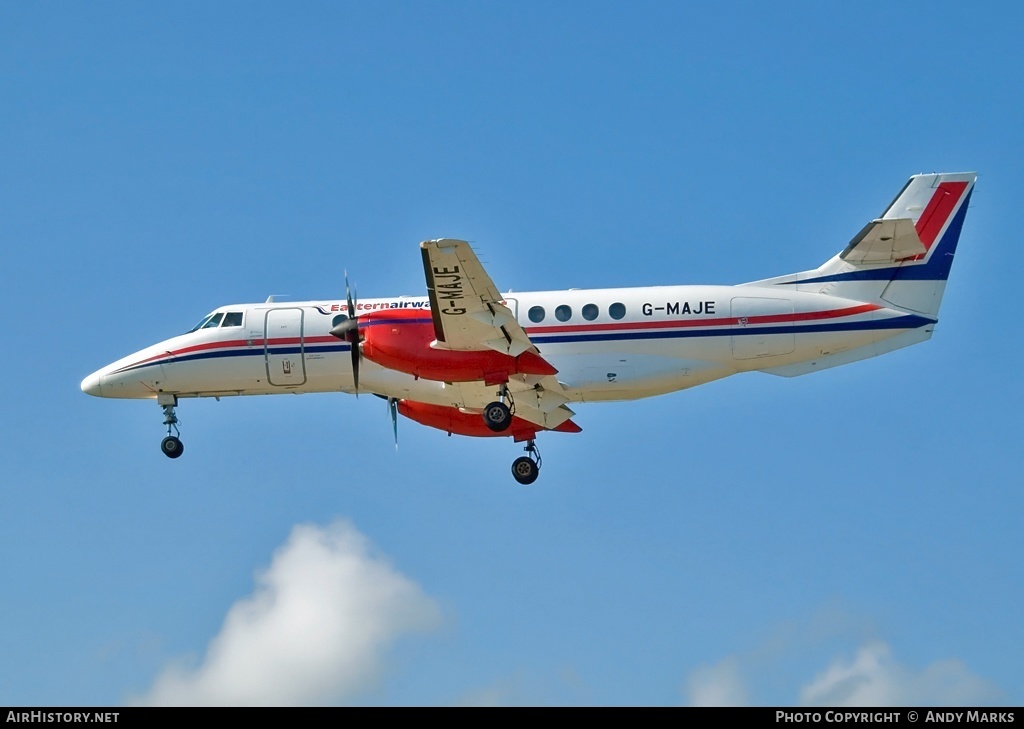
x,y
284,348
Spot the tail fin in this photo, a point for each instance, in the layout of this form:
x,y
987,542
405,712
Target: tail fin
x,y
903,257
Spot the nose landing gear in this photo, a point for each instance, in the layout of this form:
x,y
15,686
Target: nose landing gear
x,y
525,469
171,446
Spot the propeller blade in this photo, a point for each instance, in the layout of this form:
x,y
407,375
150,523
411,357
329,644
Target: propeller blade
x,y
393,407
348,299
355,363
348,331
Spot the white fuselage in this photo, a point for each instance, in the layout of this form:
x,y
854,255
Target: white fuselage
x,y
607,344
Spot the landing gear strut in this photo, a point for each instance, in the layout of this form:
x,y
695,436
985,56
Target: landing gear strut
x,y
525,469
171,446
498,414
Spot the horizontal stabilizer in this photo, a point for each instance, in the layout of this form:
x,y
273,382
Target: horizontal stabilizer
x,y
884,241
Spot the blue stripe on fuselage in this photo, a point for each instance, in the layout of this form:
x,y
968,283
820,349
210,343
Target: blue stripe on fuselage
x,y
910,321
215,354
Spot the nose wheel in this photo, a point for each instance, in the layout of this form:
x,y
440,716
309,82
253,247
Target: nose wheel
x,y
526,469
171,446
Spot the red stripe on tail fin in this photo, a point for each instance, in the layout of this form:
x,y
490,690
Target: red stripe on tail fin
x,y
939,208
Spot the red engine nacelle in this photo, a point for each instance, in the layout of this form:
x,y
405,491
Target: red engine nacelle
x,y
400,339
453,420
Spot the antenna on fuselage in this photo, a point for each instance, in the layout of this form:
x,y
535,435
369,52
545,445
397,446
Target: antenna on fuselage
x,y
273,297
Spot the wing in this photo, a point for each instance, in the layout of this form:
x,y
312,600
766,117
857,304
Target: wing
x,y
469,314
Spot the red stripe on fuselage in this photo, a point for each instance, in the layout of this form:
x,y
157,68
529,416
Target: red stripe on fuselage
x,y
230,344
672,324
721,321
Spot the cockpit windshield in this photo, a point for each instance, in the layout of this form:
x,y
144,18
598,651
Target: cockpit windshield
x,y
211,321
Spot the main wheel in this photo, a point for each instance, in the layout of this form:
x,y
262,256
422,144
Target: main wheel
x,y
172,447
524,470
498,417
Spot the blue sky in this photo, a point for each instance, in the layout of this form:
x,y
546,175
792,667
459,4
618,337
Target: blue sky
x,y
850,536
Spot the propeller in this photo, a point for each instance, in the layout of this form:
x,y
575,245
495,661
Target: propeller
x,y
348,331
393,408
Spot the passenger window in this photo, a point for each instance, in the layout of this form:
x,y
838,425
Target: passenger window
x,y
338,320
536,314
563,313
617,310
213,321
590,312
232,319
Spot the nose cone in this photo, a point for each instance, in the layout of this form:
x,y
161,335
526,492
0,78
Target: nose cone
x,y
91,385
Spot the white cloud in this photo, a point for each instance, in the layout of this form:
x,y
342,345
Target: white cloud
x,y
874,678
718,685
314,630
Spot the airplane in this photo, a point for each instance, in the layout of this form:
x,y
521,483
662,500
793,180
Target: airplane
x,y
471,361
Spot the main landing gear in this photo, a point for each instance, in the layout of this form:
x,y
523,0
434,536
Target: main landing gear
x,y
498,417
171,446
525,469
498,414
